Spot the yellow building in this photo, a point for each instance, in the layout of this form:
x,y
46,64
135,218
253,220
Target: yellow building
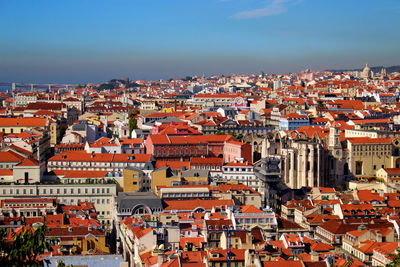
x,y
389,175
168,109
135,180
54,133
78,240
163,177
368,155
19,125
195,176
95,121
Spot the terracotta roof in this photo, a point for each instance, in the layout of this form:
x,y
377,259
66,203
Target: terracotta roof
x,y
10,156
366,196
282,263
73,232
29,162
367,140
80,174
197,241
82,156
207,204
23,122
46,106
6,172
206,161
250,209
175,165
392,170
321,247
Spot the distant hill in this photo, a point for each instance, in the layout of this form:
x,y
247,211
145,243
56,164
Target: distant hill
x,y
374,69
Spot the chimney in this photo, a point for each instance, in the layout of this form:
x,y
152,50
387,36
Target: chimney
x,y
160,259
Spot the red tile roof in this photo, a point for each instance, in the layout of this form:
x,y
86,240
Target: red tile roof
x,y
82,156
207,204
10,156
368,140
23,122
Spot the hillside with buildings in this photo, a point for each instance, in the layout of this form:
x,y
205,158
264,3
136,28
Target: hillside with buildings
x,y
298,169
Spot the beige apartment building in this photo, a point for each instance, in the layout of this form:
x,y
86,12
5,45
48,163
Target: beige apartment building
x,y
102,195
368,155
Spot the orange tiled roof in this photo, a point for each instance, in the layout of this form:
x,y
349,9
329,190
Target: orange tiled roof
x,y
23,122
99,157
207,204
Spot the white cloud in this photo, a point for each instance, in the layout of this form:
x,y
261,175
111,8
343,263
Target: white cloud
x,y
276,7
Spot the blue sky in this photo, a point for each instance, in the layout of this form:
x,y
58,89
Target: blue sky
x,y
97,40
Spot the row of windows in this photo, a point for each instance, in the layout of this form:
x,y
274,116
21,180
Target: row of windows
x,y
97,201
185,194
238,169
218,168
371,153
79,163
6,166
57,191
180,153
12,130
254,220
371,147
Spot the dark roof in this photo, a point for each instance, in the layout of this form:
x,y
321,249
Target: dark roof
x,y
45,106
128,200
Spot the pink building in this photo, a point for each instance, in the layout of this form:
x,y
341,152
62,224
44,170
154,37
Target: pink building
x,y
235,149
165,147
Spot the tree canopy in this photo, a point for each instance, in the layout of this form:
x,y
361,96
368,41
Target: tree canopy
x,y
23,248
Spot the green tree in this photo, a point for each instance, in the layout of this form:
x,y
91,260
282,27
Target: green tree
x,y
320,107
132,124
395,260
24,248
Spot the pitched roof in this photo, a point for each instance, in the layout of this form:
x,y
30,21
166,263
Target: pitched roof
x,y
23,122
82,156
207,204
10,156
367,140
29,162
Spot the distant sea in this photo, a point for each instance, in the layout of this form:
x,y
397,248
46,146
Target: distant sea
x,y
5,86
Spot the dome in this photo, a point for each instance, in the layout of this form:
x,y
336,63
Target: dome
x,y
366,68
366,73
